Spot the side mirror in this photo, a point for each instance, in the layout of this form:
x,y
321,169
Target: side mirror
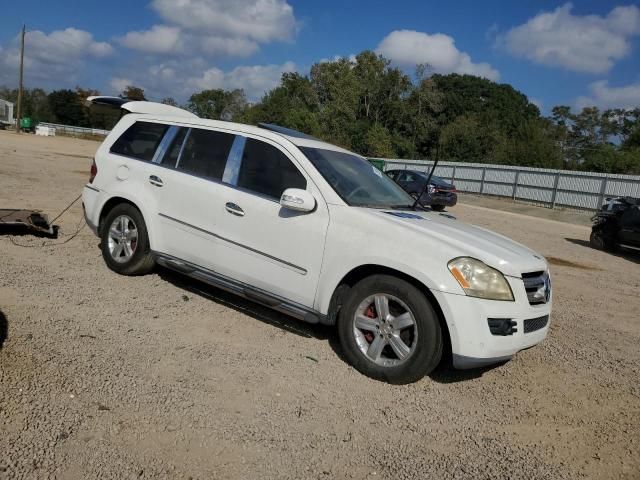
x,y
298,200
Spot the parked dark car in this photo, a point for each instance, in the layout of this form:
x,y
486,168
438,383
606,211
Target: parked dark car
x,y
440,193
617,224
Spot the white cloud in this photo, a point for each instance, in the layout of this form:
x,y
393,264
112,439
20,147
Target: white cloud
x,y
233,28
588,43
234,47
260,20
119,84
255,80
160,39
181,79
59,54
603,96
409,48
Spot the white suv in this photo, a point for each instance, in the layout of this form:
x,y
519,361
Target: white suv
x,y
316,232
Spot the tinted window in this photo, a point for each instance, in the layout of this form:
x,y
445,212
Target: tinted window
x,y
631,218
356,180
267,170
205,153
140,140
171,156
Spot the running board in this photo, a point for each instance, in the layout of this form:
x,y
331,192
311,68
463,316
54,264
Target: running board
x,y
251,293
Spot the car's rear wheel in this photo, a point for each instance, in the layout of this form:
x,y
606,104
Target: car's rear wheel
x,y
125,241
389,330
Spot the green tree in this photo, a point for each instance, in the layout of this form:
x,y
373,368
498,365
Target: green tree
x,y
169,101
218,104
133,93
336,87
498,105
467,139
532,145
66,108
378,142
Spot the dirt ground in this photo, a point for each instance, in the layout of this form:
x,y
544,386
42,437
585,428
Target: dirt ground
x,y
104,376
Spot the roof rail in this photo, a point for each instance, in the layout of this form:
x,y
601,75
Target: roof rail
x,y
286,131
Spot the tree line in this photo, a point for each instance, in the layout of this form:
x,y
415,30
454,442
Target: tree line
x,y
370,106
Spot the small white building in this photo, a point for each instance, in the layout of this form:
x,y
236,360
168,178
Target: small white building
x,y
6,112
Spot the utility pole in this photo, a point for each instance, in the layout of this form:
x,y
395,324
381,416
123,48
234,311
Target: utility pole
x,y
19,117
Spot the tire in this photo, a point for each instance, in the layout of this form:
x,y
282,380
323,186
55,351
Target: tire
x,y
601,241
128,253
422,339
437,208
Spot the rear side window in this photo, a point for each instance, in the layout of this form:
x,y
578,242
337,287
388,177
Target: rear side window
x,y
205,153
140,140
268,171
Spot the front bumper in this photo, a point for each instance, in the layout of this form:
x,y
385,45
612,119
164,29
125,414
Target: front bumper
x,y
472,342
445,199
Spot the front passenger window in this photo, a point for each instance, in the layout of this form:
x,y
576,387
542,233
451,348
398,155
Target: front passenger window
x,y
268,171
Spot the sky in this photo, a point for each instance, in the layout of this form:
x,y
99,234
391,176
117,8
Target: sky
x,y
576,54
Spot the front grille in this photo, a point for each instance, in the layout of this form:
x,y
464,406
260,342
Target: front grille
x,y
538,287
534,324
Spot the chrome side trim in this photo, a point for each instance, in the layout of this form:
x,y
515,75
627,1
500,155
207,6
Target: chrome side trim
x,y
169,135
247,291
92,188
232,168
291,266
184,142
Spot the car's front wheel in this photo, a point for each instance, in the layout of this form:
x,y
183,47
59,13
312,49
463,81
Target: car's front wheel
x,y
389,330
437,208
125,242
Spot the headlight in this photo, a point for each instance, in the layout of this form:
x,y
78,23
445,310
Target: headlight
x,y
480,280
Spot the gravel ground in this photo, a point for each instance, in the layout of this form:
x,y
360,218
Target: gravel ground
x,y
104,376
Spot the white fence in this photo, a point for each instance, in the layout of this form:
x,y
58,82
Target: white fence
x,y
6,112
77,131
550,188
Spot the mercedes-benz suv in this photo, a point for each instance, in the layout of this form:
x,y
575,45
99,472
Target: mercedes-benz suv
x,y
316,232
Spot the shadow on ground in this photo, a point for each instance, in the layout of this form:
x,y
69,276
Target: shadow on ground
x,y
626,254
4,328
444,373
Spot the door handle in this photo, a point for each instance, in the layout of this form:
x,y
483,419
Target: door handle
x,y
234,209
156,181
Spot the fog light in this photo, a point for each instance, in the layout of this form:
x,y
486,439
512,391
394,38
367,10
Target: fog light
x,y
502,326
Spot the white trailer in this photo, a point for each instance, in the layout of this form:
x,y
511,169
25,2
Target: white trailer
x,y
6,113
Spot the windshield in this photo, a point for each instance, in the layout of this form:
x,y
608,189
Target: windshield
x,y
357,181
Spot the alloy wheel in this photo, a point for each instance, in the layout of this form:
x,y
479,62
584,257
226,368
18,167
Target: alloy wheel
x,y
385,330
123,239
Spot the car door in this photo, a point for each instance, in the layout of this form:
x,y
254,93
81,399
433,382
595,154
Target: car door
x,y
264,245
186,180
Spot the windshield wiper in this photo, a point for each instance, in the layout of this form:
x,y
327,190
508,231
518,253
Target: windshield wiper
x,y
426,185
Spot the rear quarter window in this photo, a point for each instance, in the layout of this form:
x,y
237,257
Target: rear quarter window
x,y
140,140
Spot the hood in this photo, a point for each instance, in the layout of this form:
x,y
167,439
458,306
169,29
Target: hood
x,y
509,257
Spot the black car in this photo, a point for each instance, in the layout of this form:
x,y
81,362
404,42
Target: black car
x,y
440,193
617,224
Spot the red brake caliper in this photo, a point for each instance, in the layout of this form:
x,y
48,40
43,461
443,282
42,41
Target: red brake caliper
x,y
371,313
